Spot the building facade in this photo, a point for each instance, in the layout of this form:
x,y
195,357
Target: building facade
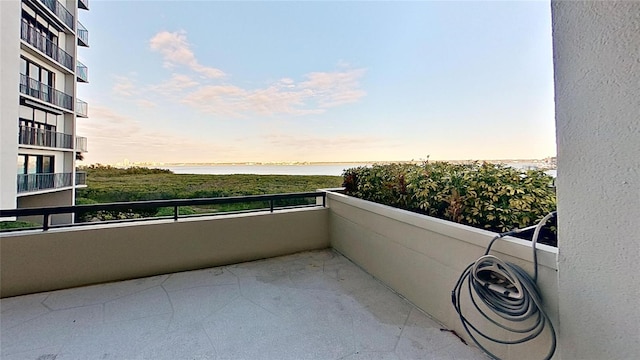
x,y
39,108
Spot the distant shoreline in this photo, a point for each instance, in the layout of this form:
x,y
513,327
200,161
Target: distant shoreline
x,y
312,163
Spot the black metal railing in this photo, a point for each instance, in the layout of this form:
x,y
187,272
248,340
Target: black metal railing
x,y
82,73
81,144
83,4
271,202
83,35
38,40
61,12
41,137
81,178
82,108
35,88
37,182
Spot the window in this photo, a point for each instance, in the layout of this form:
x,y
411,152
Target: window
x,y
36,72
35,164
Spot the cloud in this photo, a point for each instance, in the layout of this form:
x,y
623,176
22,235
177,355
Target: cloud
x,y
335,88
313,94
319,91
123,86
177,84
176,50
114,136
146,103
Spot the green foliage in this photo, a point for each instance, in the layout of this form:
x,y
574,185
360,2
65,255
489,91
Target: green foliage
x,y
107,184
490,196
17,225
110,171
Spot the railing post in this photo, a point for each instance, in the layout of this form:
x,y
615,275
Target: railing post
x,y
324,199
271,205
175,213
46,222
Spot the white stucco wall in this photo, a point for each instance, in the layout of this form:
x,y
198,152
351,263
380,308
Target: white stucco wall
x,y
597,89
9,81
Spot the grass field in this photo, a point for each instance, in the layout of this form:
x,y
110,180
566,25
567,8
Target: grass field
x,y
106,185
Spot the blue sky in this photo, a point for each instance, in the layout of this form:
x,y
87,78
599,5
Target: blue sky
x,y
207,81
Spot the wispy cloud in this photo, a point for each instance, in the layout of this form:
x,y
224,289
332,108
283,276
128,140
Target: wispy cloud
x,y
176,85
314,93
176,50
319,91
115,136
123,86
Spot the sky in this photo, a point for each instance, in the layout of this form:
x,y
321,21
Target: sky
x,y
273,81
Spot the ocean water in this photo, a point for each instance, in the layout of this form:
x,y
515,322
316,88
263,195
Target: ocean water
x,y
313,169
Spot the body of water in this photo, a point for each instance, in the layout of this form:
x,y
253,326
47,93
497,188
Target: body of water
x,y
312,169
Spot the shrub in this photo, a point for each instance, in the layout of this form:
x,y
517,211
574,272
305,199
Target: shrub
x,y
490,196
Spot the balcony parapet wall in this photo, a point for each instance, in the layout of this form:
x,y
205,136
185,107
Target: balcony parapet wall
x,y
36,261
421,258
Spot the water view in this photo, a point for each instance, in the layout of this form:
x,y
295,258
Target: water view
x,y
335,169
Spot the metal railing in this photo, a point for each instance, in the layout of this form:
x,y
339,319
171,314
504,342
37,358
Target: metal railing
x,y
271,200
35,88
81,144
41,137
83,4
61,12
82,73
82,108
37,182
81,178
83,35
38,40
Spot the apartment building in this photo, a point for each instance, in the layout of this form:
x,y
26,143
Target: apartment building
x,y
39,76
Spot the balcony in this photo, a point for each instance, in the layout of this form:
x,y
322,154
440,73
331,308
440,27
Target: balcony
x,y
46,93
81,178
335,301
83,4
81,144
60,11
82,108
29,34
83,35
311,305
40,137
82,73
37,182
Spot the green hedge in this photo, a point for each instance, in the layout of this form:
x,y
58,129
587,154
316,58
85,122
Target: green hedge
x,y
489,196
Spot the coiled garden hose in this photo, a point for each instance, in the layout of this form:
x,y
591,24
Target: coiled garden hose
x,y
509,292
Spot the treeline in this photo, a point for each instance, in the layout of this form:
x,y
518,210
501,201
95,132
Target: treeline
x,y
489,196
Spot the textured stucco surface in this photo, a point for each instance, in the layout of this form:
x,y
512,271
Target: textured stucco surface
x,y
597,85
9,80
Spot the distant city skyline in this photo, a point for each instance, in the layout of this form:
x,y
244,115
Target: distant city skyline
x,y
238,82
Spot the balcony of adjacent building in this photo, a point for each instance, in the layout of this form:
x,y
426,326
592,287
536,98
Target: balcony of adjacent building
x,y
40,42
44,138
83,4
40,182
81,144
44,92
82,72
82,108
83,35
60,11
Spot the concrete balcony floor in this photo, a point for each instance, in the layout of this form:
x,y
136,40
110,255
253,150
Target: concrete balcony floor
x,y
311,305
